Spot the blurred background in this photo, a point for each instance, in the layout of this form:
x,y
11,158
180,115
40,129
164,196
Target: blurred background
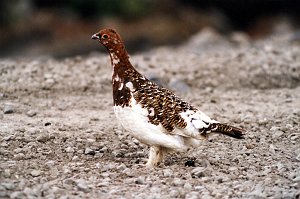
x,y
63,28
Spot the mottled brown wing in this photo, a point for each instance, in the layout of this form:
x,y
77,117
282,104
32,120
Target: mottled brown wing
x,y
163,106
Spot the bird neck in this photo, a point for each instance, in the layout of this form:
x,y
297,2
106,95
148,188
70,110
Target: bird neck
x,y
120,62
119,59
118,54
122,71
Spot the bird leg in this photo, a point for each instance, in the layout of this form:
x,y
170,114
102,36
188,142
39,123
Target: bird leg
x,y
156,156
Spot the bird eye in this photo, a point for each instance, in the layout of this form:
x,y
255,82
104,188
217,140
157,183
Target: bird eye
x,y
105,36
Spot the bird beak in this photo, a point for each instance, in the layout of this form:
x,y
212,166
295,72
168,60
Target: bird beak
x,y
95,36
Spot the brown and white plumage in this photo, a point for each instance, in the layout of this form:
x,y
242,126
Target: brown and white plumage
x,y
154,115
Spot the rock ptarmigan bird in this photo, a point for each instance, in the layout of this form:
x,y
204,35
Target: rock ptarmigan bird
x,y
154,115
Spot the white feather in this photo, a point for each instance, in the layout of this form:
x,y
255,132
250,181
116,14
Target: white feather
x,y
195,122
130,86
135,120
121,86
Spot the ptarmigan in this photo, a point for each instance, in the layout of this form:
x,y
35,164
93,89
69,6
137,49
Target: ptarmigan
x,y
154,115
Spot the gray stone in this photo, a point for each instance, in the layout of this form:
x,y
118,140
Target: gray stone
x,y
28,191
75,158
140,180
17,195
174,193
128,172
7,173
277,133
298,157
121,167
50,163
69,150
179,86
19,156
8,138
31,113
187,186
272,149
35,173
82,186
19,150
103,149
193,195
8,108
167,172
89,151
8,185
177,182
3,193
204,162
296,179
117,153
54,172
140,154
199,172
43,138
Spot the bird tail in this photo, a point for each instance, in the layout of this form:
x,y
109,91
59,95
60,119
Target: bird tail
x,y
228,130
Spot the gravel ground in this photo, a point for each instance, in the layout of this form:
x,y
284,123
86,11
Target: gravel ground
x,y
60,139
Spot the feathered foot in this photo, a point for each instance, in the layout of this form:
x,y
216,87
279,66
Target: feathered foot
x,y
156,156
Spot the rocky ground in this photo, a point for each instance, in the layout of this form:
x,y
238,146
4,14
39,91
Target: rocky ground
x,y
60,139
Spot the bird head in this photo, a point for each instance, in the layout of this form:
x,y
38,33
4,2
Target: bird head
x,y
108,38
113,43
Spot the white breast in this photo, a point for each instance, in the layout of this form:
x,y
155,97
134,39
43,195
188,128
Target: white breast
x,y
135,120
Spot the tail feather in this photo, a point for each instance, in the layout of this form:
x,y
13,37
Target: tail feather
x,y
228,130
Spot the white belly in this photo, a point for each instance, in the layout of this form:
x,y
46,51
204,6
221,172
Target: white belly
x,y
135,120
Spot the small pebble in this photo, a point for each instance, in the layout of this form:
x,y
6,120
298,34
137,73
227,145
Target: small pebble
x,y
199,172
7,173
35,173
296,179
103,149
19,156
179,86
128,172
177,182
167,172
69,150
16,195
187,186
140,180
89,151
54,172
117,153
272,149
43,138
8,109
50,163
298,157
8,186
82,186
31,113
74,158
194,195
121,167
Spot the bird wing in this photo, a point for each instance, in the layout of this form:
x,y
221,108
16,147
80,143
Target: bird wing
x,y
174,114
